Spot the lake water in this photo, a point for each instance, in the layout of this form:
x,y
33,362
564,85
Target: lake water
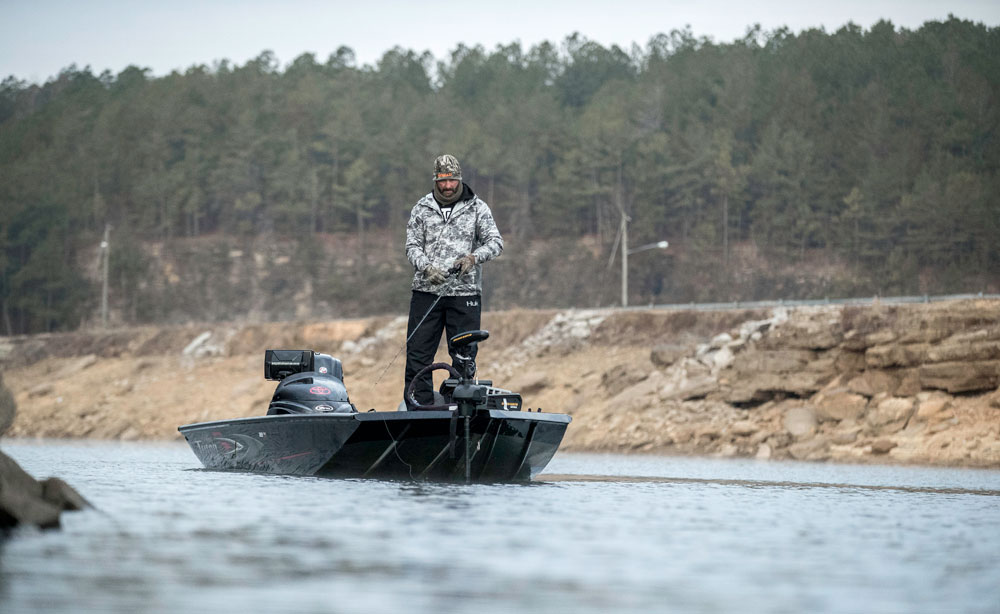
x,y
603,533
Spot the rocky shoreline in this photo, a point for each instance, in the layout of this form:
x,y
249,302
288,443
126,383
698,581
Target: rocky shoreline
x,y
23,499
897,383
911,384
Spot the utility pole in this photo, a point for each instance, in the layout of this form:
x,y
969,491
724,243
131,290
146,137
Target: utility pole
x,y
624,233
105,252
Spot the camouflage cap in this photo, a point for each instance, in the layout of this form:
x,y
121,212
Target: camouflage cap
x,y
447,167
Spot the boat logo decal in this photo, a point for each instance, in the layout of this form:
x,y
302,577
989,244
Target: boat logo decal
x,y
228,446
322,369
319,390
324,408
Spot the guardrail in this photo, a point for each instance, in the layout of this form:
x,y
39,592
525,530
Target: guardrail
x,y
874,300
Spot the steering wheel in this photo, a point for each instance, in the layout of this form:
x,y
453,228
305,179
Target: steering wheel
x,y
437,366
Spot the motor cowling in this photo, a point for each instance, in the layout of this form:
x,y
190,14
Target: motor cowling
x,y
308,392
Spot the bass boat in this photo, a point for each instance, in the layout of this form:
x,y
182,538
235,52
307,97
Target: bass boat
x,y
473,432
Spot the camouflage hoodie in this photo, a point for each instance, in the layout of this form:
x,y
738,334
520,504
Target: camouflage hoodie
x,y
430,239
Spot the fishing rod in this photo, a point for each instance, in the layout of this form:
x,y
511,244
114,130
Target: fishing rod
x,y
454,277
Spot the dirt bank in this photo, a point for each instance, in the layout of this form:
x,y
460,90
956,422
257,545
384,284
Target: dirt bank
x,y
909,384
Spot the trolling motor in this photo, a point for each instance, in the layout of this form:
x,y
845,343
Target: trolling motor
x,y
468,395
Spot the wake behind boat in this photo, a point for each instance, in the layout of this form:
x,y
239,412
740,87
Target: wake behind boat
x,y
475,431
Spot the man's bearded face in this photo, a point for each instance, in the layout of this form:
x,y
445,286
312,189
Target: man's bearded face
x,y
448,186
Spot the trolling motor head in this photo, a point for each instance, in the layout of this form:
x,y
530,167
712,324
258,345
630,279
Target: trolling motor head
x,y
464,346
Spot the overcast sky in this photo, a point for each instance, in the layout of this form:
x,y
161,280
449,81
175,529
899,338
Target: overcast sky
x,y
38,38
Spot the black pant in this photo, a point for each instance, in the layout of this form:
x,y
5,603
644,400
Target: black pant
x,y
456,314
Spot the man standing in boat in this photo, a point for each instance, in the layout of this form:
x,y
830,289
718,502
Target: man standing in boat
x,y
451,233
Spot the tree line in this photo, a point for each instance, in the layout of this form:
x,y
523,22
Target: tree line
x,y
873,150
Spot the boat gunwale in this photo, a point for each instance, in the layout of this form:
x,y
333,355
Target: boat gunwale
x,y
380,415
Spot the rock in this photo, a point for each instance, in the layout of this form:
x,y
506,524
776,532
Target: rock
x,y
880,338
722,359
800,422
807,335
966,337
720,340
737,344
743,428
994,402
18,507
728,450
78,365
665,355
872,382
882,446
763,452
41,390
747,393
26,501
753,327
621,377
931,406
8,408
844,437
910,384
943,425
961,376
823,364
891,410
952,350
854,341
839,404
764,386
18,479
817,448
130,434
847,362
692,367
772,361
882,356
688,388
780,439
191,348
682,434
62,495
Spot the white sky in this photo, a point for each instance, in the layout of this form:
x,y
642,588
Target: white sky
x,y
39,38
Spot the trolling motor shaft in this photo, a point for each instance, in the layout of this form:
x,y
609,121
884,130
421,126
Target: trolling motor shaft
x,y
468,395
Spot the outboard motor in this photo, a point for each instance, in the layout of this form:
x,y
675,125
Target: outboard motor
x,y
309,383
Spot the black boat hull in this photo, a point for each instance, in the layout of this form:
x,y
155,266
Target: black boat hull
x,y
505,446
